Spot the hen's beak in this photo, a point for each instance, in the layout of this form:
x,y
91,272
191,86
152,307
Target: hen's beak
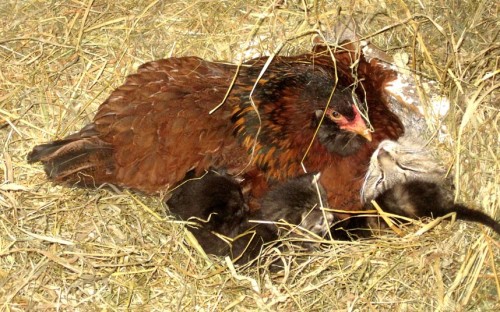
x,y
358,126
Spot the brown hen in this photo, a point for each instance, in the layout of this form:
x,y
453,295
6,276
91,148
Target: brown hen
x,y
156,127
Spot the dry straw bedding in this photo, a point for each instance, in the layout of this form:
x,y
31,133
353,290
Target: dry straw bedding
x,y
74,249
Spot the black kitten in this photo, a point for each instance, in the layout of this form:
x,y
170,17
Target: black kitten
x,y
216,203
417,199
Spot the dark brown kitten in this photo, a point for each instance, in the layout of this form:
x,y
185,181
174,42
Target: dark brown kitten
x,y
405,179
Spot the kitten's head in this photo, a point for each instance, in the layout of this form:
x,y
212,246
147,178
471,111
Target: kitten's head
x,y
216,197
317,221
297,201
395,162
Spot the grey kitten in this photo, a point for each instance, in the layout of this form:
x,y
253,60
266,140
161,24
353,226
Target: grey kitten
x,y
395,162
297,201
405,179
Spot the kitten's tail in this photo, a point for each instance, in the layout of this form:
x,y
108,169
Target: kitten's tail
x,y
468,214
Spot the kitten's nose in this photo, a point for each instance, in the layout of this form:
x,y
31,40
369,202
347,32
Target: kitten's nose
x,y
329,220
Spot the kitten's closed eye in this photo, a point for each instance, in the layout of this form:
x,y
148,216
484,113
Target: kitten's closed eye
x,y
399,161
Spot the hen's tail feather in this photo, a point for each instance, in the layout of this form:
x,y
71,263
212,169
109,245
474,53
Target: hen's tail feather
x,y
81,159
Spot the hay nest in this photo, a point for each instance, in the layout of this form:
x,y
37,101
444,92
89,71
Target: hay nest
x,y
74,249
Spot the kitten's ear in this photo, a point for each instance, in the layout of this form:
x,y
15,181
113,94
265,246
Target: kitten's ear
x,y
309,217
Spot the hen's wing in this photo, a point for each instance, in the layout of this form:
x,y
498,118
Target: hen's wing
x,y
153,129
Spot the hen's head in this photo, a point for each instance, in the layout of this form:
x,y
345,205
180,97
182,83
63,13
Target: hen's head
x,y
342,129
277,114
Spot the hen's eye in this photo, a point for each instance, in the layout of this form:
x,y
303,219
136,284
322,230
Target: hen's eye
x,y
335,114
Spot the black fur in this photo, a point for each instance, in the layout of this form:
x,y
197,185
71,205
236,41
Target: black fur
x,y
216,203
417,199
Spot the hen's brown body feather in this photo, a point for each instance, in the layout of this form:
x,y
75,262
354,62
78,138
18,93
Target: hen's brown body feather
x,y
156,127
